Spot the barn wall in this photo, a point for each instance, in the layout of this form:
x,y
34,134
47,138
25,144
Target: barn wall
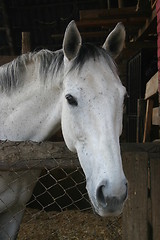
x,y
158,43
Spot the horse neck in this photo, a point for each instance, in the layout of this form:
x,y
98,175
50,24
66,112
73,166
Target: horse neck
x,y
36,105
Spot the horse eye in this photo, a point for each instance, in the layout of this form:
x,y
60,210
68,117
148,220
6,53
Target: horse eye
x,y
71,100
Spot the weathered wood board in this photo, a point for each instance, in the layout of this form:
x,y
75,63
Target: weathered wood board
x,y
155,194
16,156
135,211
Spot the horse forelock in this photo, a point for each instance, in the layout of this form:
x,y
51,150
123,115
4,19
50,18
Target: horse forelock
x,y
47,63
88,52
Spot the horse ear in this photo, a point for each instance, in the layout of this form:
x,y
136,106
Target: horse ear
x,y
115,40
72,41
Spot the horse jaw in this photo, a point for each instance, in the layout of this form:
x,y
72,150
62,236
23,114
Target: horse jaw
x,y
105,181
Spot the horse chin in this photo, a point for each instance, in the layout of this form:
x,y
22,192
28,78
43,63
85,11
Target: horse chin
x,y
108,212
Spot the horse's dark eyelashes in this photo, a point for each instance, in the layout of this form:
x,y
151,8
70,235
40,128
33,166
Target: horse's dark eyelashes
x,y
71,100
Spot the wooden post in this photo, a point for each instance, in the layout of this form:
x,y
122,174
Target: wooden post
x,y
26,45
158,50
141,106
120,3
108,4
135,211
155,194
148,120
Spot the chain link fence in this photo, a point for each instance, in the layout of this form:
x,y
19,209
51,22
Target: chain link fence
x,y
59,208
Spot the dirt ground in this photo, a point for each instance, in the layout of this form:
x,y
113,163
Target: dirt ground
x,y
68,225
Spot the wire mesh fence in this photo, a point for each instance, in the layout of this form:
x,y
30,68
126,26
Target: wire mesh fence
x,y
59,207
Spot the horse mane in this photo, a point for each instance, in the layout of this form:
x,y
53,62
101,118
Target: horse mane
x,y
11,74
48,65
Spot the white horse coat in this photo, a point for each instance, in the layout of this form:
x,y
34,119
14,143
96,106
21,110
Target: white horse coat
x,y
76,88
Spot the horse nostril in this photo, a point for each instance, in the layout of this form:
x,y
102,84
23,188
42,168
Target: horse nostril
x,y
101,197
107,201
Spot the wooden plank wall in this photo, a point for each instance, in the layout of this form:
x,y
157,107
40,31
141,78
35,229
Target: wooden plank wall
x,y
155,194
158,44
135,211
141,215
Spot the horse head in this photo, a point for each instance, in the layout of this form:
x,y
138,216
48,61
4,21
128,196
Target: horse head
x,y
92,110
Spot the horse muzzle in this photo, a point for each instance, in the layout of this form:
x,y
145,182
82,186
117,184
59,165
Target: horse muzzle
x,y
109,203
